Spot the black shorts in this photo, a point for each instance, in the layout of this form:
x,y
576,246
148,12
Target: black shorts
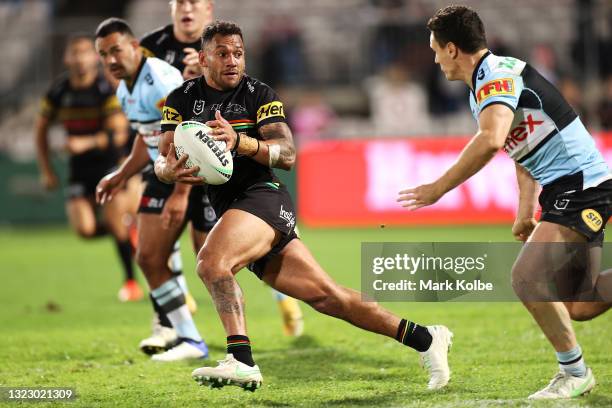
x,y
564,202
272,203
199,211
82,180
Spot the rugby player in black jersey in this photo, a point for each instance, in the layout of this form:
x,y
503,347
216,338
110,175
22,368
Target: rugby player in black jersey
x,y
84,102
256,228
179,44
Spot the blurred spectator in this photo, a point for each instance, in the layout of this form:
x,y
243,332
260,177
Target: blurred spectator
x,y
543,59
398,104
444,97
605,106
311,117
400,34
283,58
572,93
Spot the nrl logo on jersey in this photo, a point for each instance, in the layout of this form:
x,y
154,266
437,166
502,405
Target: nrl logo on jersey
x,y
198,106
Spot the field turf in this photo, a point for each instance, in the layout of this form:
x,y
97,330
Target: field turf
x,y
61,325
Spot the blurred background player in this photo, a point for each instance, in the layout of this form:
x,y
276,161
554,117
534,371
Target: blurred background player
x,y
144,84
178,44
96,130
521,112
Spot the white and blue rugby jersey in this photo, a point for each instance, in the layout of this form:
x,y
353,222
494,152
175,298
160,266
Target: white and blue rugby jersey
x,y
142,102
546,137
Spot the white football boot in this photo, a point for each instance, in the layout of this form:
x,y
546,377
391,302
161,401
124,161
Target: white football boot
x,y
435,360
229,372
185,350
161,339
564,385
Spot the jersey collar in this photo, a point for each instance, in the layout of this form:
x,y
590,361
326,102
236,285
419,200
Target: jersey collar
x,y
130,85
477,68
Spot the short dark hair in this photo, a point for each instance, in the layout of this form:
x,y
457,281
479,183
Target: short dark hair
x,y
76,37
113,25
460,25
220,27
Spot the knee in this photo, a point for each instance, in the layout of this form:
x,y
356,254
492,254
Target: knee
x,y
578,313
211,267
85,231
526,288
149,261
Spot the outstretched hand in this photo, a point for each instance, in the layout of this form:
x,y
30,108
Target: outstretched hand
x,y
421,196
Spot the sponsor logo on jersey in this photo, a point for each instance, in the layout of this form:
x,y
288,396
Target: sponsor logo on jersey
x,y
287,216
170,55
592,219
189,85
520,132
170,116
270,110
152,202
198,106
502,86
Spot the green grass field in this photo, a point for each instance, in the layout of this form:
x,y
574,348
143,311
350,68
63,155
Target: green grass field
x,y
61,325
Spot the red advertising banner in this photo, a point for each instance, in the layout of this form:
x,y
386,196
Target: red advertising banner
x,y
356,183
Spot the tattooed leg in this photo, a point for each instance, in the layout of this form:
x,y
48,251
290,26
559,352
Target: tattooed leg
x,y
228,299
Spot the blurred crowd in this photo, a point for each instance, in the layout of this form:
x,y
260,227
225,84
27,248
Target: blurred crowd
x,y
392,87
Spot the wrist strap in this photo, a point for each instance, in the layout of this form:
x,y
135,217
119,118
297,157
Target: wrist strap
x,y
256,151
235,148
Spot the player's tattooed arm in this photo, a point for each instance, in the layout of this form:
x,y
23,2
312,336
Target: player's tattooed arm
x,y
276,149
280,147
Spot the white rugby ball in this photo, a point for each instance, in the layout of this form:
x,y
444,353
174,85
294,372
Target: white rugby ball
x,y
216,165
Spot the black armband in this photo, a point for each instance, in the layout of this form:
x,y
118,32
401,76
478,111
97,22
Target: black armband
x,y
235,148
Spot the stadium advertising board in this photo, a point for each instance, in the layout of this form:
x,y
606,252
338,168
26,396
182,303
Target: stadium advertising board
x,y
356,182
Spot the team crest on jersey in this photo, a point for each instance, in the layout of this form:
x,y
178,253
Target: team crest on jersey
x,y
592,219
198,106
502,86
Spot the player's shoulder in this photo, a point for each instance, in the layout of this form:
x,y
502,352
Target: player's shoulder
x,y
495,67
253,85
498,78
186,90
157,37
158,74
161,69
